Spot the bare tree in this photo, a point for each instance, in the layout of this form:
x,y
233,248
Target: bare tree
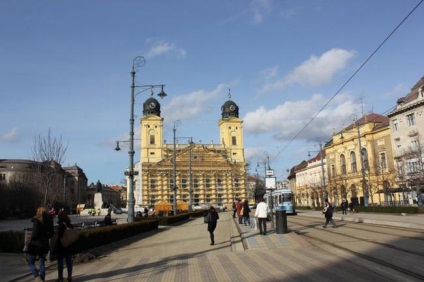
x,y
47,148
49,153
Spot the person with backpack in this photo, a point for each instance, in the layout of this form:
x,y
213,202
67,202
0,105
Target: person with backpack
x,y
328,213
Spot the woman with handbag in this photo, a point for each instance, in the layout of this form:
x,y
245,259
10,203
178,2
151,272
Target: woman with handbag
x,y
63,253
39,246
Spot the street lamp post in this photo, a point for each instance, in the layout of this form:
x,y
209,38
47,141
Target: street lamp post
x,y
190,188
364,188
138,61
177,123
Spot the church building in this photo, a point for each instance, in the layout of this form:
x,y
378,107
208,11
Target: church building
x,y
205,174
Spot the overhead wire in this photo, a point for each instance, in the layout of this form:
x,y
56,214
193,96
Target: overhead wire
x,y
349,79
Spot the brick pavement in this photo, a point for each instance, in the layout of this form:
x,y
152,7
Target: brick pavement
x,y
183,253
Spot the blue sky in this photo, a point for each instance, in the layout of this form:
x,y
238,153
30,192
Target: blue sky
x,y
65,66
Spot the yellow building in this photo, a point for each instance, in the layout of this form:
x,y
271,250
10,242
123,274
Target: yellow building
x,y
218,171
347,178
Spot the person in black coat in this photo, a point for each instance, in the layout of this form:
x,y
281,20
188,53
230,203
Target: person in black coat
x,y
246,211
212,221
63,253
39,246
345,206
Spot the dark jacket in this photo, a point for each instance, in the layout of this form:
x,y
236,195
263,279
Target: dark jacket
x,y
59,248
41,233
328,210
246,209
213,218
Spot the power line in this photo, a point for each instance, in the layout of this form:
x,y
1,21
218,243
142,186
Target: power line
x,y
349,79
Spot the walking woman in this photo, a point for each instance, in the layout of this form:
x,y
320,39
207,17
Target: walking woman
x,y
63,253
42,230
246,211
213,218
261,214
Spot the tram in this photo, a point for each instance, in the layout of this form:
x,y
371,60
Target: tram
x,y
282,199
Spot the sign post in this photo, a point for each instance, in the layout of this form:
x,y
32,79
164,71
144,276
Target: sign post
x,y
270,185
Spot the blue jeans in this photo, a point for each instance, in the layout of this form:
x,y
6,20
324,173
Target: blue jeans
x,y
247,219
68,260
33,268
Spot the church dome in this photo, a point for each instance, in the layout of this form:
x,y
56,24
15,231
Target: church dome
x,y
230,109
151,107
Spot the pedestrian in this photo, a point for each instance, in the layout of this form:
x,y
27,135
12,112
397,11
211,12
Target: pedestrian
x,y
108,219
239,206
212,221
351,207
146,212
234,209
42,231
344,206
261,214
52,213
246,211
328,212
63,253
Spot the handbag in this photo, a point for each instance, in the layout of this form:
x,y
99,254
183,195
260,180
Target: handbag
x,y
69,236
207,218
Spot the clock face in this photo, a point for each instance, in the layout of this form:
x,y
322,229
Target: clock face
x,y
232,108
152,105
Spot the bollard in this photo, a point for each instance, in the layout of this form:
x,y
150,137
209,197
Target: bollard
x,y
281,222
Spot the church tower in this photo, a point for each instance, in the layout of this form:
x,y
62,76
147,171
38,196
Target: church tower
x,y
231,131
151,129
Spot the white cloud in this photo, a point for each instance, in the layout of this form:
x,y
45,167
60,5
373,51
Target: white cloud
x,y
10,136
259,8
285,121
165,48
315,71
191,105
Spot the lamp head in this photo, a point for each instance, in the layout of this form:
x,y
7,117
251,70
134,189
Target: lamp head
x,y
117,146
162,94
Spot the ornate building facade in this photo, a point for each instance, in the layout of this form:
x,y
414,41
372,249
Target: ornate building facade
x,y
207,174
406,122
360,162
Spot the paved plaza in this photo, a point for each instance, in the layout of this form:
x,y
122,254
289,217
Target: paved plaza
x,y
182,253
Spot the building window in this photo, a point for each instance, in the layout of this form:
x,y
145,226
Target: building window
x,y
219,183
236,182
343,164
333,170
411,119
152,140
353,166
183,183
207,183
415,144
383,162
196,183
233,140
152,184
395,125
364,153
171,183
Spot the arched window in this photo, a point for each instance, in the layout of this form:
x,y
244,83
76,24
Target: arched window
x,y
364,153
343,164
353,166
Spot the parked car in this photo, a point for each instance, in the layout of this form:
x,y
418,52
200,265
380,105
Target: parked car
x,y
117,211
220,207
